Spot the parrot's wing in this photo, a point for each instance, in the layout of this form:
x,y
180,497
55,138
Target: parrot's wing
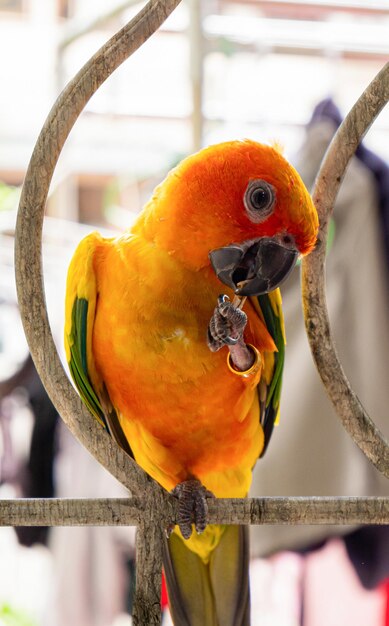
x,y
271,382
81,298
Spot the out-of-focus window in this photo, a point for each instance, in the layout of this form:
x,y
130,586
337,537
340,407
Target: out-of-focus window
x,y
65,8
14,6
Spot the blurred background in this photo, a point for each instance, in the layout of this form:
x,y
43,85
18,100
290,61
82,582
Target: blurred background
x,y
270,70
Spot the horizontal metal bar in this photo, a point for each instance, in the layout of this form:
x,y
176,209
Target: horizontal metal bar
x,y
131,511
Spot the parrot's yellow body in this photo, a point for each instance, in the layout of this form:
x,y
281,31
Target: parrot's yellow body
x,y
137,311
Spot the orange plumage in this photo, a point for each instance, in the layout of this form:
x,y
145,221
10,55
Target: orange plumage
x,y
150,295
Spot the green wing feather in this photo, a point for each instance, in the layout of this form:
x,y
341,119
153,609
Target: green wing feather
x,y
272,314
78,363
81,297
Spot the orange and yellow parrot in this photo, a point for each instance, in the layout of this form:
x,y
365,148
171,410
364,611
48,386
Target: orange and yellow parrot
x,y
174,338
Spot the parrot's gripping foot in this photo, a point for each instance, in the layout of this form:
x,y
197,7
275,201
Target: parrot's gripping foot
x,y
192,507
226,325
226,328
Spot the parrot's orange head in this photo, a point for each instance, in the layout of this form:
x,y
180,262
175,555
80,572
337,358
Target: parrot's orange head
x,y
239,206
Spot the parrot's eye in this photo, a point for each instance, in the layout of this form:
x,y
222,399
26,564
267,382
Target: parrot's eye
x,y
259,199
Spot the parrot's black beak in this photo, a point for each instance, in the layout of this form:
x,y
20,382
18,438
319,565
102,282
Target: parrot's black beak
x,y
254,267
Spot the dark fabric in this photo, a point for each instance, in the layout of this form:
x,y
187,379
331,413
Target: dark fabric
x,y
39,482
368,551
36,477
327,109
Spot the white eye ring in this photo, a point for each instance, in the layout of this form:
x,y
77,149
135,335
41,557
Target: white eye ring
x,y
259,200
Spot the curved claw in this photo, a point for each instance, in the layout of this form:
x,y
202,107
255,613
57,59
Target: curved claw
x,y
193,507
222,299
231,341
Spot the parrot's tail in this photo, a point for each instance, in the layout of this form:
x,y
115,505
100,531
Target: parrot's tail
x,y
214,593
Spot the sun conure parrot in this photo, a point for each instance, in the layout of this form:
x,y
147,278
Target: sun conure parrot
x,y
174,338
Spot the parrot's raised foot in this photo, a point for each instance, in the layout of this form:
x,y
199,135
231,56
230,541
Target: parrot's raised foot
x,y
192,508
226,325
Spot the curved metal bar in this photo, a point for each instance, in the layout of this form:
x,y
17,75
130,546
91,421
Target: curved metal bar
x,y
347,405
28,242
